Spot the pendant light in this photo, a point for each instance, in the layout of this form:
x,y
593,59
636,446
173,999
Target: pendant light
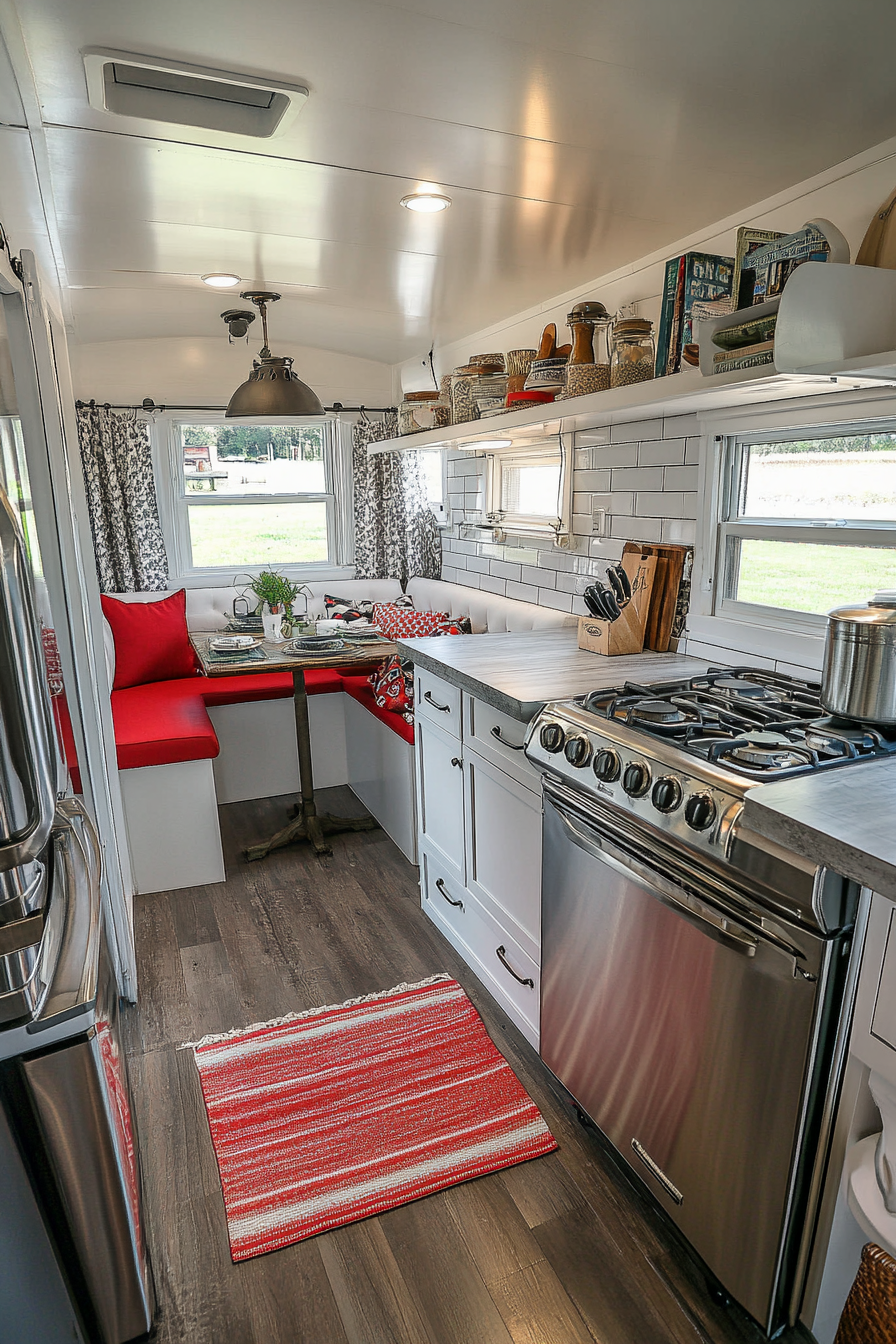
x,y
272,390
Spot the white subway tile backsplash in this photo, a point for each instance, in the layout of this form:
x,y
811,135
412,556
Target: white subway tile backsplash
x,y
523,592
477,564
674,426
724,657
661,453
680,478
619,455
802,673
658,504
679,531
644,477
591,480
636,529
636,430
502,570
547,597
637,478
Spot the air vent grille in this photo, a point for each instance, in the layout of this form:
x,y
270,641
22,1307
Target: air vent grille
x,y
138,86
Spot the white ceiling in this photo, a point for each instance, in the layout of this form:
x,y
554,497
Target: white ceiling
x,y
572,138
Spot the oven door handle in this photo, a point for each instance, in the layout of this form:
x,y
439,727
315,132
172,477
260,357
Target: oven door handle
x,y
714,926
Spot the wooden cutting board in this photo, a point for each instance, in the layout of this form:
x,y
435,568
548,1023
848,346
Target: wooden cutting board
x,y
664,597
879,244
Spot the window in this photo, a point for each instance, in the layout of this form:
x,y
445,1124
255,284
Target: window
x,y
434,463
527,490
807,524
251,495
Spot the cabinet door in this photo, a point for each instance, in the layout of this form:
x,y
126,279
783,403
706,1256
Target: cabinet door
x,y
440,779
504,849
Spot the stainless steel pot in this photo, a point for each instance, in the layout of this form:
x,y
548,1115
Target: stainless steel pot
x,y
859,677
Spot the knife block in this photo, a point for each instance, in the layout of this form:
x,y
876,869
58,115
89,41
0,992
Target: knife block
x,y
626,634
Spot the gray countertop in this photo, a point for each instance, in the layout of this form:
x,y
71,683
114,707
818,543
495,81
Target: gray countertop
x,y
844,818
518,673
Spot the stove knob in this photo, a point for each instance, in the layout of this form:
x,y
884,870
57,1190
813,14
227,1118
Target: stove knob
x,y
607,765
577,751
636,779
552,737
699,811
666,795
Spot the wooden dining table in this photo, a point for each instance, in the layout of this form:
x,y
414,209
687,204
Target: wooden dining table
x,y
307,824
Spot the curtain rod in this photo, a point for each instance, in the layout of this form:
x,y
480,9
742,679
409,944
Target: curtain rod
x,y
150,406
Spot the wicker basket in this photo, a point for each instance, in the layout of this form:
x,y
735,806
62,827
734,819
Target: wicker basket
x,y
869,1316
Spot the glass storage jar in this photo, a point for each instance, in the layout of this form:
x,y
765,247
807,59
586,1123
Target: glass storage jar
x,y
416,412
633,355
463,380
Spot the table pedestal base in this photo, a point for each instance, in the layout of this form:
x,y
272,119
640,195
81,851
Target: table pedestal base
x,y
314,829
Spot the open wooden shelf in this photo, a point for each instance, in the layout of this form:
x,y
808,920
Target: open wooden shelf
x,y
829,316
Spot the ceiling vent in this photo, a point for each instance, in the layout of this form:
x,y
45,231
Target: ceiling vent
x,y
190,95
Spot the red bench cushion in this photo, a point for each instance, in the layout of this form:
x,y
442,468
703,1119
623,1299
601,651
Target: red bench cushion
x,y
162,723
265,686
360,689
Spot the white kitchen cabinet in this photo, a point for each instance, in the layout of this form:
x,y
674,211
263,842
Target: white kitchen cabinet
x,y
440,795
503,848
480,844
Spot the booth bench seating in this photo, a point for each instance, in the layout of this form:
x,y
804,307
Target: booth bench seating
x,y
186,745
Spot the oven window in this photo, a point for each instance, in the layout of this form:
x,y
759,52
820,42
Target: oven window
x,y
807,524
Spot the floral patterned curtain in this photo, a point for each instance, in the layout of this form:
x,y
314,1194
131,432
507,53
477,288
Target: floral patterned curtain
x,y
121,499
396,535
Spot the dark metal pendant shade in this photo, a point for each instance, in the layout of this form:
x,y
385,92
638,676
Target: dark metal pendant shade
x,y
272,389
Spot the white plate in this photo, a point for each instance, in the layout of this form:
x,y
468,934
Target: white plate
x,y
234,643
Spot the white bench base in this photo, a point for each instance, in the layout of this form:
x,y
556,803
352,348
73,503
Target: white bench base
x,y
259,757
381,773
171,815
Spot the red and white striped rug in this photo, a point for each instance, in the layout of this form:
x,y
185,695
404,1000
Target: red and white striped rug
x,y
329,1116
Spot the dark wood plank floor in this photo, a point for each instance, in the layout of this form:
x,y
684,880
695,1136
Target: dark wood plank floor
x,y
563,1250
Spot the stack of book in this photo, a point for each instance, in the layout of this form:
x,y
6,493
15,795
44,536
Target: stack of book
x,y
695,277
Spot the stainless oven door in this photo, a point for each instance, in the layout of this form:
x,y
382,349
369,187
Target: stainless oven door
x,y
689,1035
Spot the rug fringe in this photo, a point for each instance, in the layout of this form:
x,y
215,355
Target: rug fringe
x,y
313,1012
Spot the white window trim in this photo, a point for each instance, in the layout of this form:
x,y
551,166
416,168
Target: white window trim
x,y
553,525
166,446
794,637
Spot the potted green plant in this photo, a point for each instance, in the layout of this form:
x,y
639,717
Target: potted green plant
x,y
277,591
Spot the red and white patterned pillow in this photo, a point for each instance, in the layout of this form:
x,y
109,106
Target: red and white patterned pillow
x,y
396,623
393,687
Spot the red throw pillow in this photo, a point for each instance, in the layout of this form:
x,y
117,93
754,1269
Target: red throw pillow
x,y
393,687
151,640
399,623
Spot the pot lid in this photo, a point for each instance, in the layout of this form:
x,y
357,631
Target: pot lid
x,y
880,611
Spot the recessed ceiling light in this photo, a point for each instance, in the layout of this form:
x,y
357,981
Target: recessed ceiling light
x,y
221,279
426,202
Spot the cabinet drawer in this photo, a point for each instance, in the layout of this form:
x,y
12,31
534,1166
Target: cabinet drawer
x,y
503,833
440,795
477,936
438,700
499,738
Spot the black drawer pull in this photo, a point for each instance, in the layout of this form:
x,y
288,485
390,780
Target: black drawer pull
x,y
456,760
445,709
502,957
496,732
440,887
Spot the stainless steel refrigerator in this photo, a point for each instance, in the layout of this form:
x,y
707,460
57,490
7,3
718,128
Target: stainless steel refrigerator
x,y
73,1262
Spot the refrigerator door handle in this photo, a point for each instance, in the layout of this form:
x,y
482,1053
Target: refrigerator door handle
x,y
73,979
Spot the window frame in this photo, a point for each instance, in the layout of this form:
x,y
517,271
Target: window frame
x,y
439,507
731,528
175,502
555,525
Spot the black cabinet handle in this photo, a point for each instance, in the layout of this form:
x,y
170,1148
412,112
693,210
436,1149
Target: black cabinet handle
x,y
456,760
496,732
502,957
445,709
440,887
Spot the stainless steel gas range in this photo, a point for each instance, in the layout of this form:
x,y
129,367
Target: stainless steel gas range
x,y
694,975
